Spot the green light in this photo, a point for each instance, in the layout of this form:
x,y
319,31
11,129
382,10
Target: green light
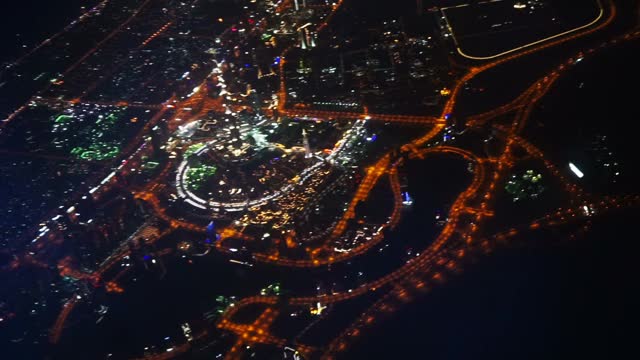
x,y
196,177
526,186
63,118
193,149
151,165
97,151
97,140
273,289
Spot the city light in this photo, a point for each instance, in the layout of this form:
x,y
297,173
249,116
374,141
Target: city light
x,y
575,170
340,160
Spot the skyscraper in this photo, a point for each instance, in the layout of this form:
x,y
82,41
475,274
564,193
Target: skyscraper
x,y
297,6
305,142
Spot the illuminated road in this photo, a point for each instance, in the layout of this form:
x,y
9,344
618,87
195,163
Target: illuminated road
x,y
523,47
85,16
330,115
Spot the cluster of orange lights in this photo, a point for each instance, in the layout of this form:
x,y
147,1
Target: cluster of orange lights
x,y
254,333
155,34
369,181
113,287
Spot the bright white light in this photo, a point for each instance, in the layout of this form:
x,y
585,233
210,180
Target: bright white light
x,y
575,170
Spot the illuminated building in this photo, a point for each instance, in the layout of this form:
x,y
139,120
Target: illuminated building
x,y
307,148
306,37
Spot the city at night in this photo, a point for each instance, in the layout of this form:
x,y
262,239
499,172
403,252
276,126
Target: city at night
x,y
319,179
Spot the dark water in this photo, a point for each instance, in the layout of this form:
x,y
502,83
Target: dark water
x,y
596,98
548,300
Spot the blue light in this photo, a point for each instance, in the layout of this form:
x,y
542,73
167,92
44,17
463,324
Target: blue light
x,y
447,116
374,137
211,232
211,228
147,257
407,200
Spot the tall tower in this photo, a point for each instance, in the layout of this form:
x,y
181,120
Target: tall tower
x,y
302,38
305,142
297,6
310,38
306,37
